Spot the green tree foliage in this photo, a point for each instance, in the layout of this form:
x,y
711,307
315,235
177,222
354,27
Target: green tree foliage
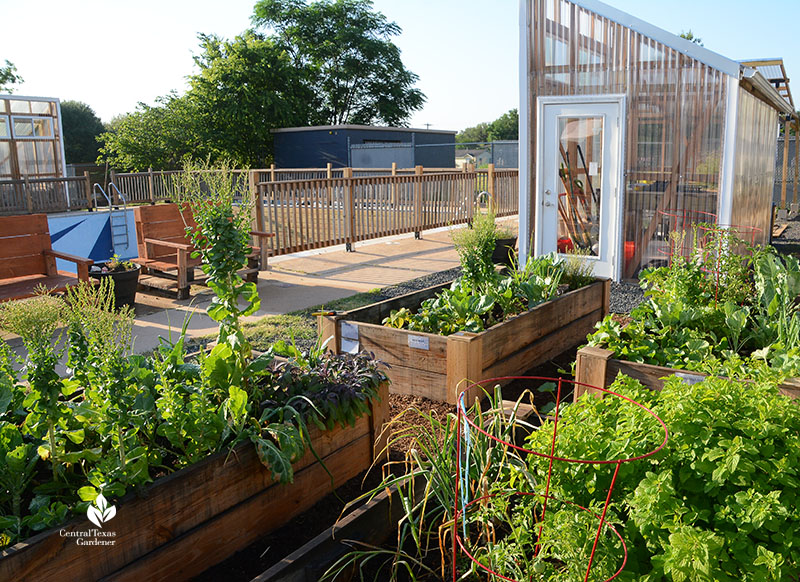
x,y
81,129
245,87
689,35
158,137
8,77
474,134
505,127
345,54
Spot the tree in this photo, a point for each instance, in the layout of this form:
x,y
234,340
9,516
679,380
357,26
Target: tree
x,y
688,35
245,87
347,58
474,134
505,127
8,77
160,136
81,129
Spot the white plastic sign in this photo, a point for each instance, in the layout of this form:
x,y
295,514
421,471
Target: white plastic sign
x,y
419,342
349,330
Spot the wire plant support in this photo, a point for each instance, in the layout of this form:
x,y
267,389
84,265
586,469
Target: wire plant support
x,y
466,428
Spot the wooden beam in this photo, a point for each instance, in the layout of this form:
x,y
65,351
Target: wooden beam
x,y
784,171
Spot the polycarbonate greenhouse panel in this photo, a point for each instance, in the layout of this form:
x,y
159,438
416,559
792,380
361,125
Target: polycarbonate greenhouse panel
x,y
675,114
756,144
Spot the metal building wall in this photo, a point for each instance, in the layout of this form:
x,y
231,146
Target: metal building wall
x,y
756,142
675,113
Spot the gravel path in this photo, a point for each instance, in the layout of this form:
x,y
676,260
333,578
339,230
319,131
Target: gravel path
x,y
625,297
417,284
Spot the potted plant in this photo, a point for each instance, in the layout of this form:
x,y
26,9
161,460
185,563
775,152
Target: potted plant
x,y
125,275
504,246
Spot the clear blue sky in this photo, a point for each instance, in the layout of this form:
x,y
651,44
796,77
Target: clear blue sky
x,y
112,54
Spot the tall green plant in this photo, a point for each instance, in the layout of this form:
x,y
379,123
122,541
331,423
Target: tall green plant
x,y
475,246
36,320
223,242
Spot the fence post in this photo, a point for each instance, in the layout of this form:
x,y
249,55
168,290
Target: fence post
x,y
150,185
349,209
89,198
491,204
272,172
258,214
393,194
28,199
329,175
418,171
784,173
115,199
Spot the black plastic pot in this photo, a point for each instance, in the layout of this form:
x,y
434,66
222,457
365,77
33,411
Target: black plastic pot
x,y
125,284
502,251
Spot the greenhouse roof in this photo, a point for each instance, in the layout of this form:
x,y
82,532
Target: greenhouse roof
x,y
753,77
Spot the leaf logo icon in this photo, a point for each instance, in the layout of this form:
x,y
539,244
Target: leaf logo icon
x,y
101,511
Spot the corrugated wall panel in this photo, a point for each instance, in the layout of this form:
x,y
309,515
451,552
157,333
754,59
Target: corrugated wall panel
x,y
756,142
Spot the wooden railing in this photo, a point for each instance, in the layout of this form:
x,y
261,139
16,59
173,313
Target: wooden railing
x,y
341,206
45,195
156,186
315,213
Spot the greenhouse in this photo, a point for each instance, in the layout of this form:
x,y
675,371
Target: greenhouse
x,y
629,133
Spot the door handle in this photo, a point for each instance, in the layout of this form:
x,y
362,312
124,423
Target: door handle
x,y
548,203
547,192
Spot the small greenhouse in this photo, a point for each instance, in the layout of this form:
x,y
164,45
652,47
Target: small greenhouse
x,y
629,133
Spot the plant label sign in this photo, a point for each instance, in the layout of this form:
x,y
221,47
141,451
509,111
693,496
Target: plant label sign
x,y
690,378
349,330
419,342
349,346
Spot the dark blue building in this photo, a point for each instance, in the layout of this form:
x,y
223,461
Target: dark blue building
x,y
363,146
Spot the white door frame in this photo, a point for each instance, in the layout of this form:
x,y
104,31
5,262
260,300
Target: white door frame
x,y
617,177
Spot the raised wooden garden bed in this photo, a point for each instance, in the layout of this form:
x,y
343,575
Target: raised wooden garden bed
x,y
597,367
436,366
190,520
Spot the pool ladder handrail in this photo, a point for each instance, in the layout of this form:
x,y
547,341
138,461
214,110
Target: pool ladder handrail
x,y
118,229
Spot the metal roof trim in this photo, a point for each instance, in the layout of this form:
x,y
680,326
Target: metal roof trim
x,y
767,91
686,47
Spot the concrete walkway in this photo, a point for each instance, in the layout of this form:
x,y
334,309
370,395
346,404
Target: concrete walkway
x,y
302,280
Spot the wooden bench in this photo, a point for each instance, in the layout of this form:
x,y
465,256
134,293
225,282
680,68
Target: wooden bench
x,y
165,249
28,261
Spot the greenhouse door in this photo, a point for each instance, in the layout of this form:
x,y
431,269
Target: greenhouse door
x,y
578,177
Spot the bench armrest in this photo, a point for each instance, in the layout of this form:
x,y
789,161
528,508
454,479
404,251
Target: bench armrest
x,y
261,234
68,257
168,244
82,262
